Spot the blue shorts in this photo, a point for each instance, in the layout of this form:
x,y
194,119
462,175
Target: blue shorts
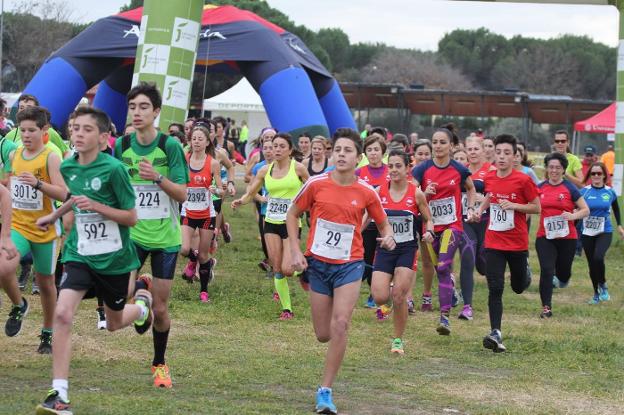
x,y
325,277
163,263
401,256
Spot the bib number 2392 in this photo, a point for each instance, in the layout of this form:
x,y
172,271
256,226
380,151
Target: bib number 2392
x,y
97,235
151,202
332,240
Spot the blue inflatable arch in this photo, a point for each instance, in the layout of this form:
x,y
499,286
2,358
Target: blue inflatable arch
x,y
298,93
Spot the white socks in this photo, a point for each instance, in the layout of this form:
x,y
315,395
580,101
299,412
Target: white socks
x,y
61,386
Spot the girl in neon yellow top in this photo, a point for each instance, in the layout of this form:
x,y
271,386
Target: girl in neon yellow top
x,y
283,178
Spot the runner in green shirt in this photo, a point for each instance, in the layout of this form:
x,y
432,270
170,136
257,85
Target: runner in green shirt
x,y
158,173
574,172
98,252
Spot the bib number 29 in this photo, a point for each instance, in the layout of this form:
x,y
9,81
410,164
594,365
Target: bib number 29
x,y
333,238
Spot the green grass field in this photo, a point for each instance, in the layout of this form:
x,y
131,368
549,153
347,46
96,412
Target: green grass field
x,y
234,357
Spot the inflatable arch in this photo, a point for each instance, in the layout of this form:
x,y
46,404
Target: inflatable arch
x,y
298,93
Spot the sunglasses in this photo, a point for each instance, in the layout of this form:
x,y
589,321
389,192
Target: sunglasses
x,y
561,141
596,173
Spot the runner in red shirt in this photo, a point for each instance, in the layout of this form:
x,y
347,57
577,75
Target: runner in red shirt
x,y
403,202
375,174
555,241
334,258
198,207
442,179
510,195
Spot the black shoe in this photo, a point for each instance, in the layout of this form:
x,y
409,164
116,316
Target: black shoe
x,y
14,323
53,404
494,342
527,283
546,312
24,276
35,289
45,347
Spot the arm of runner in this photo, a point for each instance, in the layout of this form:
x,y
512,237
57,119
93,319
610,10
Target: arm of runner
x,y
386,239
615,206
47,220
533,207
176,191
218,188
249,167
299,262
582,211
6,209
471,195
57,189
484,205
302,172
122,217
576,178
253,188
229,166
423,208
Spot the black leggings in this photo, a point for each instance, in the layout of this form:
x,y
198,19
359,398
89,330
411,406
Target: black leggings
x,y
261,229
555,258
369,236
595,248
472,255
496,263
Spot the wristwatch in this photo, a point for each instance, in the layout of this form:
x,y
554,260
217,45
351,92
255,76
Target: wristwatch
x,y
159,179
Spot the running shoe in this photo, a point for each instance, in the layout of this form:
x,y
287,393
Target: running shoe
x,y
546,312
264,265
14,322
426,304
276,297
147,280
227,235
162,378
558,283
324,402
189,271
604,293
213,265
286,315
595,299
397,346
466,313
101,324
383,312
455,297
53,404
45,346
35,289
411,307
24,276
143,297
494,342
213,245
444,327
370,303
203,297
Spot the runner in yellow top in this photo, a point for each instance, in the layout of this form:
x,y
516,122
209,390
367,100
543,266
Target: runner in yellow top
x,y
35,179
282,179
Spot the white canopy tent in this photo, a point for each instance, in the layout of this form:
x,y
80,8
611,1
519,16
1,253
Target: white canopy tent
x,y
240,103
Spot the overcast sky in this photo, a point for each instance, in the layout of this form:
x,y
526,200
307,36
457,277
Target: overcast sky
x,y
417,24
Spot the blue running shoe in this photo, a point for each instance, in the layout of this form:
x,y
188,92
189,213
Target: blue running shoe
x,y
370,303
604,293
324,403
494,342
444,328
594,300
559,284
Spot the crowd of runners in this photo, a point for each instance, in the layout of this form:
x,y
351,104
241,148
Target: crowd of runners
x,y
88,214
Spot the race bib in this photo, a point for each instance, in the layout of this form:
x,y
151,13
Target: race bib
x,y
25,197
198,199
556,227
97,235
443,211
465,204
593,225
403,228
151,202
501,220
332,240
277,208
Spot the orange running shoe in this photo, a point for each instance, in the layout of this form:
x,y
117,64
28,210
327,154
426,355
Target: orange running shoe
x,y
162,379
147,280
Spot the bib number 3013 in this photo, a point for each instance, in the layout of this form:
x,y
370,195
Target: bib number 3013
x,y
24,196
97,235
151,202
332,240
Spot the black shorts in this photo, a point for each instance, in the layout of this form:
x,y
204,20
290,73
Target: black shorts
x,y
278,229
113,289
206,223
217,205
163,263
401,256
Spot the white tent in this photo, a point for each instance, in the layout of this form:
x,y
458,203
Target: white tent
x,y
240,103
